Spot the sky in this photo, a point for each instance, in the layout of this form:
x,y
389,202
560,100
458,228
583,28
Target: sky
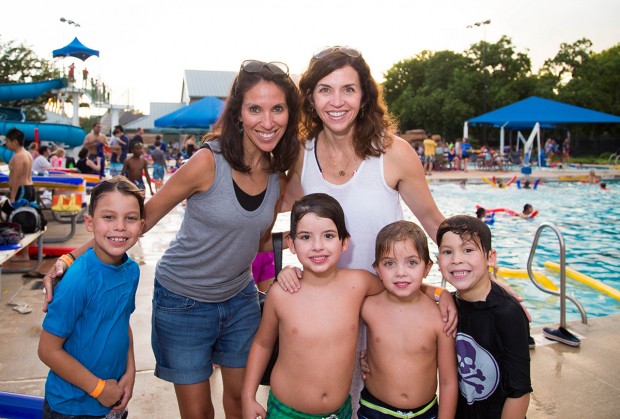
x,y
145,46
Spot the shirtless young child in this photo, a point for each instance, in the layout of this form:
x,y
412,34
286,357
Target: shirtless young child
x,y
135,167
317,326
406,342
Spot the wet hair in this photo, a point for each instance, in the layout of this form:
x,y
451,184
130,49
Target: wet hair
x,y
480,212
228,126
373,121
117,183
467,228
323,206
400,231
527,207
16,135
119,127
83,153
117,130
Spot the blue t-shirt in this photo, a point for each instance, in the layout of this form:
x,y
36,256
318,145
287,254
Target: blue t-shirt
x,y
465,149
91,309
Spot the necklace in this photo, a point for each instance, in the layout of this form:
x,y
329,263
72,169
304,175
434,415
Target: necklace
x,y
342,172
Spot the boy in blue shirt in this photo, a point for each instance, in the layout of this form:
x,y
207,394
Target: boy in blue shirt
x,y
492,335
86,339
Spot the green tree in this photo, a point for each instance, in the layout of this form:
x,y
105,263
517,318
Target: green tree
x,y
594,83
569,58
439,91
19,64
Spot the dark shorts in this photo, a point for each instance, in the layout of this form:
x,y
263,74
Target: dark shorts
x,y
48,413
26,192
139,184
373,408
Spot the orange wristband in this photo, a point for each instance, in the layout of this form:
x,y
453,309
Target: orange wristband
x,y
67,259
97,391
438,292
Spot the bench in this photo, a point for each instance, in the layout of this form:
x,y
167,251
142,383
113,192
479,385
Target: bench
x,y
5,255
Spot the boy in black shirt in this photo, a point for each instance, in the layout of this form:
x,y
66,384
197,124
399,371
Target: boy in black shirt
x,y
492,339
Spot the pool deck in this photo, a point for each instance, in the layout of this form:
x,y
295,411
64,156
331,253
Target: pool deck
x,y
605,172
568,382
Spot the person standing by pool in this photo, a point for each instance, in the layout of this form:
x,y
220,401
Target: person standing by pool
x,y
159,163
465,149
95,142
233,186
352,154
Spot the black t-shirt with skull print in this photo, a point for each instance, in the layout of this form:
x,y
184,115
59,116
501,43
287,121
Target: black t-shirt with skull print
x,y
492,353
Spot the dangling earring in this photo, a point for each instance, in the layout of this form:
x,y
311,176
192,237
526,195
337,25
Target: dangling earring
x,y
313,112
240,126
361,113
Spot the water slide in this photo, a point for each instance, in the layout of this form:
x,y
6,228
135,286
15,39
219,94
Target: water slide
x,y
20,91
59,133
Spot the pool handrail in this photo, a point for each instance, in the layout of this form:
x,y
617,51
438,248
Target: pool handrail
x,y
562,293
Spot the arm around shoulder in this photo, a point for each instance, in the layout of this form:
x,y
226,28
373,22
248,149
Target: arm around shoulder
x,y
194,176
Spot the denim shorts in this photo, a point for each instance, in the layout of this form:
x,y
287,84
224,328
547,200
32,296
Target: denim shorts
x,y
188,336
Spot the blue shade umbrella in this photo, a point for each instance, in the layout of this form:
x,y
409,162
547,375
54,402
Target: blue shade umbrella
x,y
75,49
200,114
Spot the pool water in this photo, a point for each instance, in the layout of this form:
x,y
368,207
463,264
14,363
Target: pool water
x,y
588,220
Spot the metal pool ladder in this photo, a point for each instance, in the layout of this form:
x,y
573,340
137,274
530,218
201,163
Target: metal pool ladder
x,y
561,334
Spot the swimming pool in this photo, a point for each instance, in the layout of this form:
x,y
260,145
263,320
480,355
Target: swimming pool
x,y
586,216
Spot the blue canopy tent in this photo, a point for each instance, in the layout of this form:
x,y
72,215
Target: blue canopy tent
x,y
75,49
538,112
200,114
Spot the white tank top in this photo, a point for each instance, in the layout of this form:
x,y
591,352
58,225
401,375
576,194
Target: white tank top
x,y
369,204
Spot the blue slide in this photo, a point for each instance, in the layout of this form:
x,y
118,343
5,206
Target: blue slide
x,y
19,91
70,135
58,133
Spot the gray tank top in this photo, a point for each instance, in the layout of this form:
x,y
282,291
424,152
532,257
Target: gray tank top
x,y
210,258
